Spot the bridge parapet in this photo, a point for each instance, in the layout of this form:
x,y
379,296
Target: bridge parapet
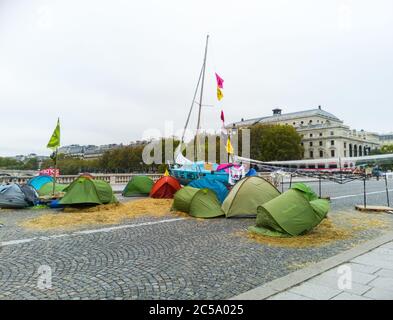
x,y
121,178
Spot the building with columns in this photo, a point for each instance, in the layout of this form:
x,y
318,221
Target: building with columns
x,y
323,134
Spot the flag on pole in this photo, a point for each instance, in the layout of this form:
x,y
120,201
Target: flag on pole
x,y
229,147
222,118
54,141
219,94
220,81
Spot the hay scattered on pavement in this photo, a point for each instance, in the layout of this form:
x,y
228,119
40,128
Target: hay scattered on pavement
x,y
340,226
103,214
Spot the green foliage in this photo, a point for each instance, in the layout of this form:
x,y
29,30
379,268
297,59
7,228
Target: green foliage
x,y
13,164
275,142
72,166
9,163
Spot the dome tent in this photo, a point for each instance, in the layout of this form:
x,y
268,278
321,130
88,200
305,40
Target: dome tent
x,y
165,188
14,196
294,212
86,191
138,186
247,195
182,199
38,181
47,188
218,187
199,203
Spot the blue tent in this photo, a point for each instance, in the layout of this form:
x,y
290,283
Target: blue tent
x,y
218,187
252,172
38,181
16,196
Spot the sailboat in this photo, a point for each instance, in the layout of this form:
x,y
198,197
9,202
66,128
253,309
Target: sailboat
x,y
186,170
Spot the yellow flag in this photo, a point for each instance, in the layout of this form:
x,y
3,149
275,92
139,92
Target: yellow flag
x,y
166,174
54,141
229,147
219,94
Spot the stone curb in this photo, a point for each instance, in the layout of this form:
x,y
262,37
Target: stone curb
x,y
281,284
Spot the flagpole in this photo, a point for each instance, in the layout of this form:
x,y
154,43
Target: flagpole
x,y
201,95
54,174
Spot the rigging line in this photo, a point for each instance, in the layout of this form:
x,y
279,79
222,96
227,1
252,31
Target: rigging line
x,y
192,104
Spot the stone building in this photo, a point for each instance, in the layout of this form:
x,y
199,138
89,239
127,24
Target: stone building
x,y
323,134
386,138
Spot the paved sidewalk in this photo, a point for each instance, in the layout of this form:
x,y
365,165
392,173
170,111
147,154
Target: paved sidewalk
x,y
371,273
362,273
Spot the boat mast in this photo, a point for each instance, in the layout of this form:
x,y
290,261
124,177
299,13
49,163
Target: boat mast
x,y
201,95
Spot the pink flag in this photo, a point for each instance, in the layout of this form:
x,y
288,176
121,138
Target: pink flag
x,y
222,116
220,81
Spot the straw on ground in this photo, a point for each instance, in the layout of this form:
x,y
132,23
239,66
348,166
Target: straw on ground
x,y
103,214
338,226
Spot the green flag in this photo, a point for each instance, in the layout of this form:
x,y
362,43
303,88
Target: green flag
x,y
54,141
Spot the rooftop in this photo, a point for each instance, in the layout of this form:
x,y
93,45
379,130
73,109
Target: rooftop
x,y
278,116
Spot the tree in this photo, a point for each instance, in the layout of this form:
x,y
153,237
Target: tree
x,y
275,142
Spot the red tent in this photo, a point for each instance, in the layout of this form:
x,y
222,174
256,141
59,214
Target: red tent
x,y
165,188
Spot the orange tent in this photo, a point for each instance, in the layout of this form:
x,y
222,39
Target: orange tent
x,y
165,188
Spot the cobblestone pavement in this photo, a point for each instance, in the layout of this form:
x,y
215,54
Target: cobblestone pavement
x,y
175,259
367,277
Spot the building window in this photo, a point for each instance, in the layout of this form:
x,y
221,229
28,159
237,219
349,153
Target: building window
x,y
332,133
310,143
310,135
310,121
301,122
332,142
320,143
302,144
332,153
345,144
345,153
311,154
320,134
320,153
294,123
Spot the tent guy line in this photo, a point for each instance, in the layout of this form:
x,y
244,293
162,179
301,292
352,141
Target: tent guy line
x,y
85,232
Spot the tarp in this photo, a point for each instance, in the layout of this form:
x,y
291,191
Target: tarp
x,y
88,191
218,187
247,195
294,212
47,188
165,187
14,196
38,181
138,186
199,203
252,172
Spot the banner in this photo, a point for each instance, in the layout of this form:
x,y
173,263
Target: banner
x,y
49,172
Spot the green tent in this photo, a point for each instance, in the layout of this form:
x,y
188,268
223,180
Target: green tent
x,y
47,188
138,186
199,203
182,199
294,212
247,195
88,191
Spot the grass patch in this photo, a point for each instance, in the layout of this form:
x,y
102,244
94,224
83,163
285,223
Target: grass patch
x,y
103,214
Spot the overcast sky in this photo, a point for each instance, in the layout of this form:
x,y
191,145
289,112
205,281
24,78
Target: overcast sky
x,y
112,69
